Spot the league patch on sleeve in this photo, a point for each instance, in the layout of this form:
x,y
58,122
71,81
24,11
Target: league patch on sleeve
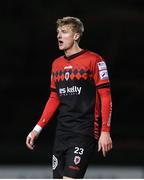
x,y
101,65
103,74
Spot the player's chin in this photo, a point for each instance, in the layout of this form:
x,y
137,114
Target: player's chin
x,y
61,48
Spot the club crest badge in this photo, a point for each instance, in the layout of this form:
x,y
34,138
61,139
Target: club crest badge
x,y
77,160
67,76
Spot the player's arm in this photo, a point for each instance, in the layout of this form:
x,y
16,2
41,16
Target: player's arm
x,y
103,89
50,108
105,142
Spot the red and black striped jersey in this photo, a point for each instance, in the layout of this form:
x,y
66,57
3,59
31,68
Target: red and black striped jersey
x,y
75,79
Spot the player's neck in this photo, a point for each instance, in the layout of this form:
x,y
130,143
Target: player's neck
x,y
73,50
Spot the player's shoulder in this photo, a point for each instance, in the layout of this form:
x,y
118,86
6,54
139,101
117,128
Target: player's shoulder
x,y
58,60
94,56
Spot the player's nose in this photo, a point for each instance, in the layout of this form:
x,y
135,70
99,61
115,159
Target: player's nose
x,y
59,35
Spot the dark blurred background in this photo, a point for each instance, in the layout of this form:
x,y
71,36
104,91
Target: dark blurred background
x,y
28,46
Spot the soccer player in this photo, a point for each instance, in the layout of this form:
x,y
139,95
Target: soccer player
x,y
80,88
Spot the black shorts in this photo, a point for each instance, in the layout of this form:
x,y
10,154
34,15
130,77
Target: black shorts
x,y
71,155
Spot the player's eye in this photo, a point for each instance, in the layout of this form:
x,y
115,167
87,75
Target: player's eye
x,y
64,31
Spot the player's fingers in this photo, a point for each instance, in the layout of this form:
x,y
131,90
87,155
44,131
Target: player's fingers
x,y
29,142
99,146
30,146
109,146
104,149
104,153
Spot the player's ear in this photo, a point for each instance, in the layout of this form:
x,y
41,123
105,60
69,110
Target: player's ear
x,y
76,36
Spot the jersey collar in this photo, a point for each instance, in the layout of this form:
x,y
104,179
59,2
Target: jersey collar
x,y
75,55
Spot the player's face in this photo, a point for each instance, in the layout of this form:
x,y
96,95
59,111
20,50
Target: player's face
x,y
66,37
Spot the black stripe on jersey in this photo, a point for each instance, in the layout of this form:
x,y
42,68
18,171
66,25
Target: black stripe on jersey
x,y
103,85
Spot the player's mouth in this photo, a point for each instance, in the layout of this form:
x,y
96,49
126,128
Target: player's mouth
x,y
60,42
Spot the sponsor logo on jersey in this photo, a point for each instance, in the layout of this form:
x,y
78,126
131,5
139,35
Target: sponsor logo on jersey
x,y
103,74
74,90
101,65
77,160
68,67
54,162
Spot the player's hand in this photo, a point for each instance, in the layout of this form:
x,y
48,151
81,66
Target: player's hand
x,y
105,143
32,136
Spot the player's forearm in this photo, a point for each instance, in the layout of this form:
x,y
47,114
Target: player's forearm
x,y
106,108
49,110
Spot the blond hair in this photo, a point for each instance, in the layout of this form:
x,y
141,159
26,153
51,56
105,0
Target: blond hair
x,y
75,23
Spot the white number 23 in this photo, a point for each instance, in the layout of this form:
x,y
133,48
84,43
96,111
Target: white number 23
x,y
79,150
